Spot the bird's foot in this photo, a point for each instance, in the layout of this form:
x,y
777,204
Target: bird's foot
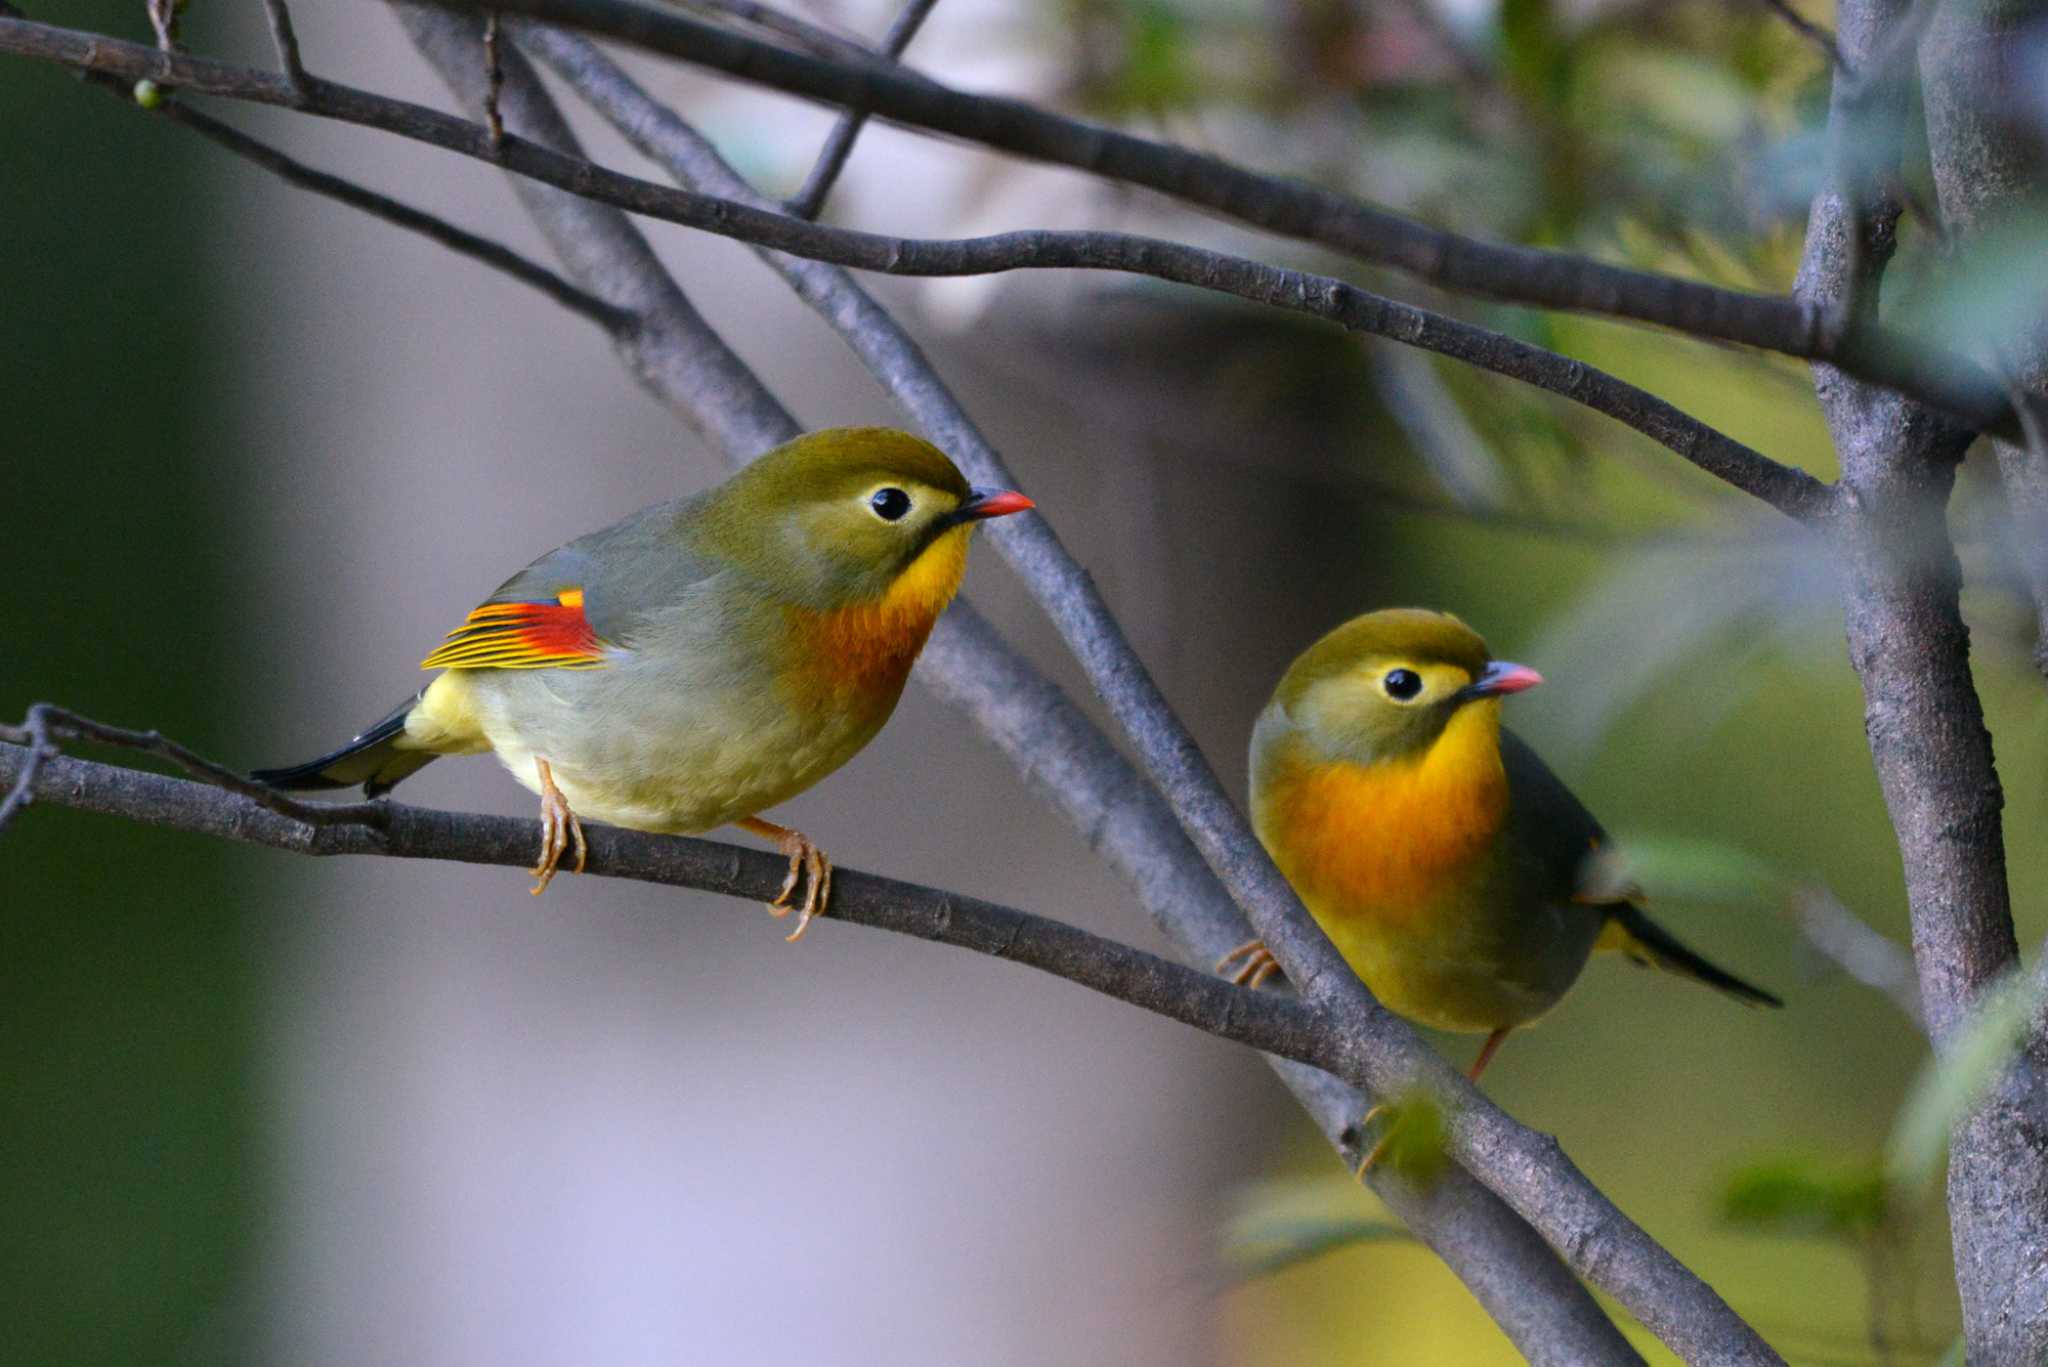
x,y
1257,966
559,829
1413,1139
1373,1154
808,866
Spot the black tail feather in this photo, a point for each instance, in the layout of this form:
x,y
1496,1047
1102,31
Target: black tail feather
x,y
372,759
1646,942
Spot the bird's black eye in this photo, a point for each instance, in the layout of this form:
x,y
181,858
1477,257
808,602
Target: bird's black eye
x,y
1402,684
890,504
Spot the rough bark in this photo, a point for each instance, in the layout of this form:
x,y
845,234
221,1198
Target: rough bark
x,y
1910,648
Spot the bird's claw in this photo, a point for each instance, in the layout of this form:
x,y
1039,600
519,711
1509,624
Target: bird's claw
x,y
1373,1154
1257,966
808,867
559,829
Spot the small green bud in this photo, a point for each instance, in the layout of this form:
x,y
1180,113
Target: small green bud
x,y
148,93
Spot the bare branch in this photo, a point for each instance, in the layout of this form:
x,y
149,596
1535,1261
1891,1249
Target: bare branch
x,y
2023,474
1910,647
1296,209
1793,492
494,81
47,724
768,19
1527,1170
673,351
1807,29
810,200
1573,1216
286,40
1073,766
458,240
1870,958
1267,1021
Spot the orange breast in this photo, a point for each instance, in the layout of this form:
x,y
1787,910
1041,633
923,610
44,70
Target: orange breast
x,y
863,653
1387,840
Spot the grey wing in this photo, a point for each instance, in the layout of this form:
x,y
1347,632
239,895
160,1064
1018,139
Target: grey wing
x,y
623,572
1549,826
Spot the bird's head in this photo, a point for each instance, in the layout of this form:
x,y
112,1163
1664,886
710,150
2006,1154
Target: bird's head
x,y
1385,686
850,515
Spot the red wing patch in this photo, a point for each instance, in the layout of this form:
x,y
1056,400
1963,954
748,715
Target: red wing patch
x,y
523,636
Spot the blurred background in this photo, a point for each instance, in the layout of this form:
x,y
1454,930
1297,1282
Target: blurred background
x,y
263,452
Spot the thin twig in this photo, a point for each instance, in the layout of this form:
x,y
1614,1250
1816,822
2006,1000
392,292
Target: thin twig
x,y
1297,209
286,40
1872,959
1810,31
810,200
34,735
459,240
163,18
46,725
802,32
494,82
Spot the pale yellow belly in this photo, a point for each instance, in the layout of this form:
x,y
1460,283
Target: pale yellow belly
x,y
642,758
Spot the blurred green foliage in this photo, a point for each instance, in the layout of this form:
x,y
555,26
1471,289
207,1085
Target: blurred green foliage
x,y
126,1134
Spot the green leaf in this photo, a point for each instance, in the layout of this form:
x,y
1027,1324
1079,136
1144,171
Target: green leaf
x,y
1797,1196
1952,1083
1683,868
1282,1223
1284,1244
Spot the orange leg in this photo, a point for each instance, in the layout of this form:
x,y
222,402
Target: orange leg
x,y
559,828
1372,1155
805,859
1259,964
1486,1053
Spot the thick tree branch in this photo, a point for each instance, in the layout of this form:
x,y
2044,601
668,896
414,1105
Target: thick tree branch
x,y
1296,209
1791,491
1910,647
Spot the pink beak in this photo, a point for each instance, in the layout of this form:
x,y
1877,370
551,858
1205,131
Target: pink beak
x,y
1501,677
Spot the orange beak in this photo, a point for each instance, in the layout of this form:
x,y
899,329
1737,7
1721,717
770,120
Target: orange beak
x,y
983,504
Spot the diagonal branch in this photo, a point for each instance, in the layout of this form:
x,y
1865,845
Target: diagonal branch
x,y
1295,208
969,666
1526,1170
458,240
1060,753
808,201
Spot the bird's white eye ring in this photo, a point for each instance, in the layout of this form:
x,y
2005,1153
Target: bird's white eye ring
x,y
1402,684
890,504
